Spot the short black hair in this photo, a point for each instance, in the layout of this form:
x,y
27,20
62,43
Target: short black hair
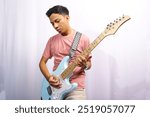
x,y
57,9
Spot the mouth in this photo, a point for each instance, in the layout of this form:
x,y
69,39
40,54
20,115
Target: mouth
x,y
58,30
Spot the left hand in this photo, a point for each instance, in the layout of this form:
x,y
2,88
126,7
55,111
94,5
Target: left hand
x,y
83,61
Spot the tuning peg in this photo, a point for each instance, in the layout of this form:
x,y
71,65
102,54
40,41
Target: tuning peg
x,y
123,16
111,24
116,21
108,25
119,18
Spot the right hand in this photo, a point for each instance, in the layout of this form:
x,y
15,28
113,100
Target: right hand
x,y
54,81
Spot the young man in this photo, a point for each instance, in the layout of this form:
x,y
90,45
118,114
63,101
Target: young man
x,y
58,46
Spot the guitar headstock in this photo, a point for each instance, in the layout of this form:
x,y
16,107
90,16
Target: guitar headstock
x,y
112,28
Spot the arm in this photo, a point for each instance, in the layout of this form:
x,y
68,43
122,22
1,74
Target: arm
x,y
44,68
50,78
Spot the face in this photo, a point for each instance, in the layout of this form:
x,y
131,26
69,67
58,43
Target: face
x,y
60,23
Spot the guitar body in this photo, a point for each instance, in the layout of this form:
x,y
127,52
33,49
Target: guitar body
x,y
51,93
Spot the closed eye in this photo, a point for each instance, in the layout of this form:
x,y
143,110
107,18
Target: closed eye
x,y
55,21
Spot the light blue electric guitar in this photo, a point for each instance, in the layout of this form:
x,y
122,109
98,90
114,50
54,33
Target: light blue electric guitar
x,y
64,71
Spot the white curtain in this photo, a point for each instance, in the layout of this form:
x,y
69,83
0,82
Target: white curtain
x,y
121,62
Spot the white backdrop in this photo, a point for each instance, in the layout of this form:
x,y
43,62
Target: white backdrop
x,y
121,63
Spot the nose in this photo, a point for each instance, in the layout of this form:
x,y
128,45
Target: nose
x,y
55,25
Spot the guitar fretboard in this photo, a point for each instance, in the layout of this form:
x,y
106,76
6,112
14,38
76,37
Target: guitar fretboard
x,y
86,52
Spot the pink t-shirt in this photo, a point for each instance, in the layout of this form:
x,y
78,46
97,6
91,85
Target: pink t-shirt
x,y
59,46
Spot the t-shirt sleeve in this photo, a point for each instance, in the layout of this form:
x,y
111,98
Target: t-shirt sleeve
x,y
47,51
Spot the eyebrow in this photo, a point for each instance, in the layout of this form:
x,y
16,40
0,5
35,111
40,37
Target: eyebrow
x,y
55,20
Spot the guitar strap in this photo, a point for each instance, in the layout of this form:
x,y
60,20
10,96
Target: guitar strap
x,y
74,44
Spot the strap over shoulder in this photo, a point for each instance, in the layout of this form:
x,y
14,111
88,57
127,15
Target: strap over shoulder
x,y
75,44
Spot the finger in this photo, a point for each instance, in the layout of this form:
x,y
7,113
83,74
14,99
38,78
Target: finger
x,y
56,85
82,59
79,59
89,57
53,79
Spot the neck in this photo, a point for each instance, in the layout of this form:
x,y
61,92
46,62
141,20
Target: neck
x,y
68,32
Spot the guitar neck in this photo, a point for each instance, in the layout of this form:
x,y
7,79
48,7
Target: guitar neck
x,y
86,52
